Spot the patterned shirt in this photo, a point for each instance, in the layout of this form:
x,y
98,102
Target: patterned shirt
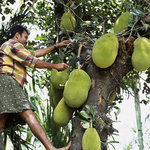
x,y
14,58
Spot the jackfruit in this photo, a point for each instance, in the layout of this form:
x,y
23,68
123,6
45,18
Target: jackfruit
x,y
59,78
76,88
105,50
91,140
62,113
141,54
68,23
51,97
122,22
55,95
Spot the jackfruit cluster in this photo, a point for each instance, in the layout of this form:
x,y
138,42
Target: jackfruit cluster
x,y
62,113
141,54
105,50
77,88
122,22
91,140
73,94
68,23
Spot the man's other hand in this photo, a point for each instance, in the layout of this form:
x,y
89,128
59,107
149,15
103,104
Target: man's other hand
x,y
61,66
63,43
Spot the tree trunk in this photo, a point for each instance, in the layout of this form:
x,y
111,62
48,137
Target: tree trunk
x,y
104,82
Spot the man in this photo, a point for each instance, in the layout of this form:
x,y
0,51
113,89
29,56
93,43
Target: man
x,y
14,106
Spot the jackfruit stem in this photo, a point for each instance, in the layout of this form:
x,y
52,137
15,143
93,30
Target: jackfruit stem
x,y
91,123
79,66
79,53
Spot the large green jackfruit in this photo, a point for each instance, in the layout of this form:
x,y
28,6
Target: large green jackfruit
x,y
77,88
59,78
62,113
91,140
122,22
105,50
141,54
55,95
68,23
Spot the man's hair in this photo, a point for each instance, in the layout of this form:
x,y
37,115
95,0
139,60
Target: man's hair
x,y
17,28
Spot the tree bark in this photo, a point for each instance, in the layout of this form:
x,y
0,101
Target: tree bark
x,y
104,82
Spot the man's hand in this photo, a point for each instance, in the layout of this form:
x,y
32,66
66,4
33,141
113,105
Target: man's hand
x,y
61,66
63,43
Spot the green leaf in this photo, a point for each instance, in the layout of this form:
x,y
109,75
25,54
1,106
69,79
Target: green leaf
x,y
85,124
3,18
84,114
87,23
7,10
91,110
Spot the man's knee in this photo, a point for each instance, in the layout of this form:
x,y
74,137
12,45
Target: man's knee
x,y
27,115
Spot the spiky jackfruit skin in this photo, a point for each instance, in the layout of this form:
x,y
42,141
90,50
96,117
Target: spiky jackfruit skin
x,y
55,95
59,78
77,88
105,50
68,23
141,54
91,140
62,113
50,94
122,22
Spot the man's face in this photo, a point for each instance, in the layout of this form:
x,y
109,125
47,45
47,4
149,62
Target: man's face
x,y
23,39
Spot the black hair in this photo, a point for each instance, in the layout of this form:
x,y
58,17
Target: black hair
x,y
17,28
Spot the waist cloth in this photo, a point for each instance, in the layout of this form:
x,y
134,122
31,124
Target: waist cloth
x,y
13,100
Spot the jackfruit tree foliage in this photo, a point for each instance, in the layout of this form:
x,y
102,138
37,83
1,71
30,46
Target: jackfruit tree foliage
x,y
141,54
105,50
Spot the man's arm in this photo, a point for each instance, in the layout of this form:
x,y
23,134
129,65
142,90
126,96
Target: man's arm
x,y
43,64
44,51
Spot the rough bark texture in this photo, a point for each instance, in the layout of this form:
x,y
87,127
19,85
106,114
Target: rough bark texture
x,y
104,82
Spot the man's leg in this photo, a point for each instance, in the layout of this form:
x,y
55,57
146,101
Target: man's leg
x,y
3,118
36,128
